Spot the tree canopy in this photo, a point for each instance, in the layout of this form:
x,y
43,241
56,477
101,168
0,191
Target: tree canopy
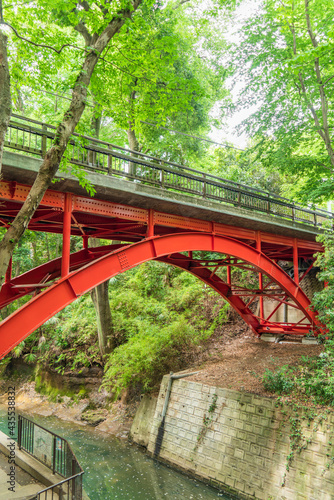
x,y
285,59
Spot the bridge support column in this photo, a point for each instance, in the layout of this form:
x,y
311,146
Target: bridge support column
x,y
65,262
228,271
8,275
150,225
85,242
295,261
258,247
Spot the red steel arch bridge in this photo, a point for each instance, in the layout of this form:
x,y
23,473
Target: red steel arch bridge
x,y
153,209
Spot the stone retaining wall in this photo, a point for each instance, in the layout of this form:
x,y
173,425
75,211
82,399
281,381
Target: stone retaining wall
x,y
241,442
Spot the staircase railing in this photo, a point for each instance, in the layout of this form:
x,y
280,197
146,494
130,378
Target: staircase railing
x,y
34,137
55,453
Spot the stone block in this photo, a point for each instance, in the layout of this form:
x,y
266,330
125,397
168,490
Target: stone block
x,y
239,453
230,481
244,445
239,424
198,412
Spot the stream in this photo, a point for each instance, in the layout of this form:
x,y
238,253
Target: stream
x,y
115,469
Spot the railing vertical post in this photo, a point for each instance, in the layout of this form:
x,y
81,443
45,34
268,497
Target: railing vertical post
x,y
44,139
109,160
204,186
19,431
65,260
74,479
54,455
295,261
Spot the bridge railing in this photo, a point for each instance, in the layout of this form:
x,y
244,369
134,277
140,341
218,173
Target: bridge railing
x,y
55,453
35,138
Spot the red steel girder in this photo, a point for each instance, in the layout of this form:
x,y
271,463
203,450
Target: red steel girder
x,y
43,275
91,214
216,283
46,304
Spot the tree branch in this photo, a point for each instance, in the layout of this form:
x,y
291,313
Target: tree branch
x,y
323,97
181,2
63,133
82,29
42,45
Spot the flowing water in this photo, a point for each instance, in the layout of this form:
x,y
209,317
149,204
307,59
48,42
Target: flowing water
x,y
115,469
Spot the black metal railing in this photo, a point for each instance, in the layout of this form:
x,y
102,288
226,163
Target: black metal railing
x,y
54,452
34,137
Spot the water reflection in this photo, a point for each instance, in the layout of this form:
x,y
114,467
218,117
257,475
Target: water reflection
x,y
115,469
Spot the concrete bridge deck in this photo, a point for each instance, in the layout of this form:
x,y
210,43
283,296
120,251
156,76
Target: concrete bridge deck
x,y
23,169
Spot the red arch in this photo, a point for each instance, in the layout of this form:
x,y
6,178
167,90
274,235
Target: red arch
x,y
38,310
215,282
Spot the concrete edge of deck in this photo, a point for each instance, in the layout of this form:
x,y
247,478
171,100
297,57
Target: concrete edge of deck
x,y
30,465
23,169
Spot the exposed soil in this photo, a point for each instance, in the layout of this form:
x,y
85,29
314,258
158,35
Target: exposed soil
x,y
234,360
237,360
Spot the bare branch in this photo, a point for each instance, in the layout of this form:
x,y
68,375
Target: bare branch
x,y
42,45
327,80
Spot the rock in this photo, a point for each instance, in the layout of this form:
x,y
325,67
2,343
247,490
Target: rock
x,y
94,417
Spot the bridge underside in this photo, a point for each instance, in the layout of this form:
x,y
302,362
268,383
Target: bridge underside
x,y
276,266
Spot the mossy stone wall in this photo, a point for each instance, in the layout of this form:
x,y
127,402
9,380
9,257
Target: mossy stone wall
x,y
243,443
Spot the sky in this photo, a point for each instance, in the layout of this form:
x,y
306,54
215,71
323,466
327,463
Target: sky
x,y
228,133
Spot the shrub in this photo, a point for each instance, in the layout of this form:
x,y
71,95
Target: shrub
x,y
279,381
150,354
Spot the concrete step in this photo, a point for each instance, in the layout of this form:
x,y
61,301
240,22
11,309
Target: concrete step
x,y
24,493
21,492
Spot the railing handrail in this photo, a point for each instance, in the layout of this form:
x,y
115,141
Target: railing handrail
x,y
166,166
56,485
21,417
167,162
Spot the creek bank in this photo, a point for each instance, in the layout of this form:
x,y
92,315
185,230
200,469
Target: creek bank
x,y
245,444
71,397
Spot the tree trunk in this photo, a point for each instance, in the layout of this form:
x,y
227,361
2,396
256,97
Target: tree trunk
x,y
64,131
100,293
5,97
103,314
132,138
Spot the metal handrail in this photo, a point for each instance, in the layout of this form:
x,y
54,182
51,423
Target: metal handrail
x,y
53,488
95,154
59,458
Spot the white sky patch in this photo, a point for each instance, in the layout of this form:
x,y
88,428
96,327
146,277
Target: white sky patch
x,y
228,132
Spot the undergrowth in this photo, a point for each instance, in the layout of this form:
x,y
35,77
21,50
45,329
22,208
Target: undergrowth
x,y
161,320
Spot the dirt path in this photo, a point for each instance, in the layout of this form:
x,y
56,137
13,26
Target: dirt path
x,y
238,360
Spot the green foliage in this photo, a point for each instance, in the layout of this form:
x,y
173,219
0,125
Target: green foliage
x,y
279,381
18,350
285,60
150,354
162,318
313,380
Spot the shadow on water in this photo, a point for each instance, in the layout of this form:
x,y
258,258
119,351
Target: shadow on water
x,y
115,469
